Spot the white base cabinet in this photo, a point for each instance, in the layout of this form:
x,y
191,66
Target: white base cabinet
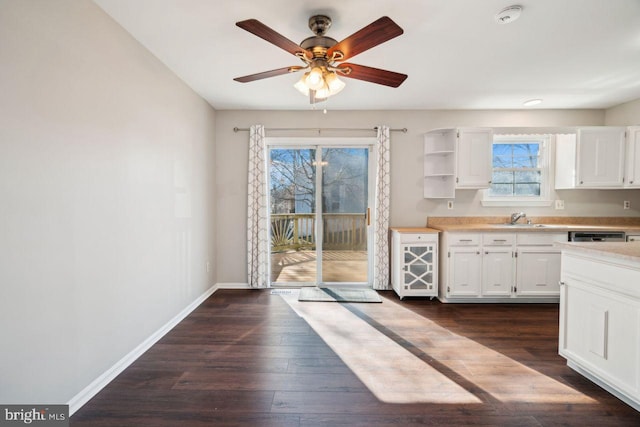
x,y
538,264
498,269
464,272
538,272
414,262
476,265
600,321
494,267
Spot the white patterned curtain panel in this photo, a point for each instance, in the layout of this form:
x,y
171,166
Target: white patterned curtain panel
x,y
382,199
257,231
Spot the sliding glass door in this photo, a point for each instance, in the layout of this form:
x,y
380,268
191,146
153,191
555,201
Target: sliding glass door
x,y
319,215
344,199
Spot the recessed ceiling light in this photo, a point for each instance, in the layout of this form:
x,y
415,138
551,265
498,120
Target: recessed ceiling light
x,y
508,14
532,102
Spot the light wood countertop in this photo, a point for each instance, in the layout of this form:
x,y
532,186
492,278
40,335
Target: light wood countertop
x,y
630,225
415,230
544,228
629,251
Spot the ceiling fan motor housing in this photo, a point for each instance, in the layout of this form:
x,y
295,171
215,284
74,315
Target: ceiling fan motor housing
x,y
319,43
319,24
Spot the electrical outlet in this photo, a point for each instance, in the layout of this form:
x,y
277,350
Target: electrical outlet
x,y
559,204
450,204
208,267
626,204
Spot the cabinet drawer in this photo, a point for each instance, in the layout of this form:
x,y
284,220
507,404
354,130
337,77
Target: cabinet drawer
x,y
418,238
456,239
498,239
541,238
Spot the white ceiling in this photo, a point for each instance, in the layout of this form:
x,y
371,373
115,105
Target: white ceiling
x,y
571,53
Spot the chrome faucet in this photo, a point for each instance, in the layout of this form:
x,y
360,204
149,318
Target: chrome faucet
x,y
516,216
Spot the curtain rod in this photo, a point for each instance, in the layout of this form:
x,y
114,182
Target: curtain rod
x,y
375,129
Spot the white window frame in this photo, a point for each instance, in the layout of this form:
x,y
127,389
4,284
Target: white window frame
x,y
544,199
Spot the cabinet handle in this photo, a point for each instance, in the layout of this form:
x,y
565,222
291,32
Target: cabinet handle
x,y
465,240
499,240
581,182
561,283
478,253
631,182
486,252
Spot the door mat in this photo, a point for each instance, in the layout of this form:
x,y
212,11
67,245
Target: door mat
x,y
338,295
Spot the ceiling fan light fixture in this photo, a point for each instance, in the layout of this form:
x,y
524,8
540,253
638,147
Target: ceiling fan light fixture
x,y
329,84
301,85
334,84
315,78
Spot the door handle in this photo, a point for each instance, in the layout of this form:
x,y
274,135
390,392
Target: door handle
x,y
368,217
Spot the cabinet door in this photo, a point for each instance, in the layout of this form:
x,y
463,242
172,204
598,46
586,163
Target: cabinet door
x,y
497,271
465,267
474,151
538,272
632,176
600,331
600,155
419,271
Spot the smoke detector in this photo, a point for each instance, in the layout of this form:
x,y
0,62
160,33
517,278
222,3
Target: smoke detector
x,y
508,14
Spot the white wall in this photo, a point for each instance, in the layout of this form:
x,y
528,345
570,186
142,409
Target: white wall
x,y
409,208
624,114
106,197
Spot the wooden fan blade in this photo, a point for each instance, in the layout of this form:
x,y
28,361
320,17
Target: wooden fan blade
x,y
373,75
266,74
370,36
259,29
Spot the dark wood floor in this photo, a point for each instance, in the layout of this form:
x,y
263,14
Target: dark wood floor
x,y
244,358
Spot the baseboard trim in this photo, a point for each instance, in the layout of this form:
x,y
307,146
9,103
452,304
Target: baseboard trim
x,y
230,285
625,397
80,399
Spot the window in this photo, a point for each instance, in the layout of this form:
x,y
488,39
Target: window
x,y
520,171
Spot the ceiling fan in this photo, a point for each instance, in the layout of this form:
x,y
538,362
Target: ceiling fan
x,y
323,56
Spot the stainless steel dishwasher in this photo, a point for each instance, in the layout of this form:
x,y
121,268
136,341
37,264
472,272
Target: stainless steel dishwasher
x,y
596,236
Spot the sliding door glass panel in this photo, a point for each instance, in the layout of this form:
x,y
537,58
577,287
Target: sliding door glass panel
x,y
292,190
344,195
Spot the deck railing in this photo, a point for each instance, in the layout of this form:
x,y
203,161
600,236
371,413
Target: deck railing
x,y
297,232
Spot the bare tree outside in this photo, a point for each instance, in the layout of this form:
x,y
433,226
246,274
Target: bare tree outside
x,y
516,169
344,180
293,213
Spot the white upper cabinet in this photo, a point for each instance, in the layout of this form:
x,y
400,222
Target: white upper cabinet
x,y
632,171
456,158
593,159
600,153
474,149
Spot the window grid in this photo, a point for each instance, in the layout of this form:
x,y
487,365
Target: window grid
x,y
516,169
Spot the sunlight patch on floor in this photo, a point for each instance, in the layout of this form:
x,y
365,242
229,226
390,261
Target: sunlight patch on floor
x,y
403,357
389,371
